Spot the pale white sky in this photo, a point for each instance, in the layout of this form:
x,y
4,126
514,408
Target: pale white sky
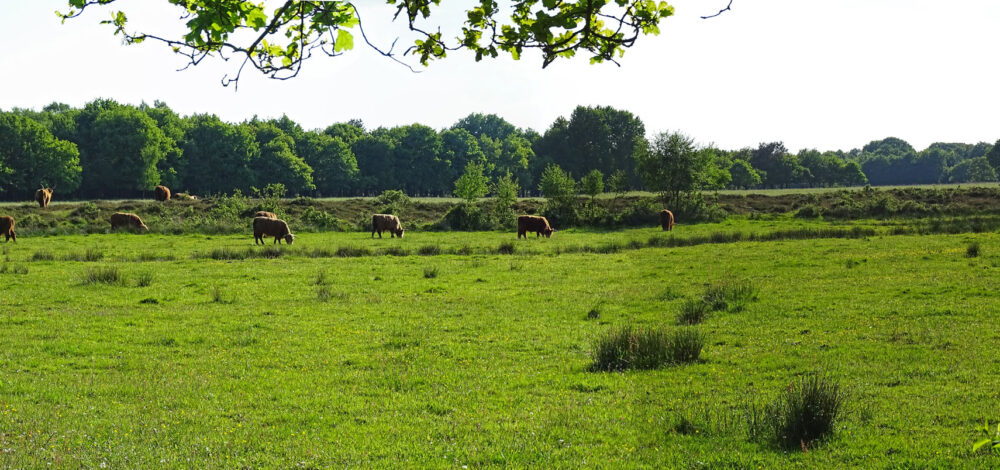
x,y
827,74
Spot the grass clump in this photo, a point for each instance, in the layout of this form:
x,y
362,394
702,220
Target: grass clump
x,y
43,256
4,269
630,348
226,253
595,311
684,346
430,272
321,278
144,279
806,412
104,275
216,294
732,295
429,250
323,293
972,250
352,251
692,312
396,251
506,248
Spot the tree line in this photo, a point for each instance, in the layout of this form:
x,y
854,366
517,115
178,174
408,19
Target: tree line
x,y
108,149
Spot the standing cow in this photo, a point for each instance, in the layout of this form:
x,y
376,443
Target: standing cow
x,y
269,215
128,220
533,223
667,220
161,193
268,227
386,223
43,196
7,228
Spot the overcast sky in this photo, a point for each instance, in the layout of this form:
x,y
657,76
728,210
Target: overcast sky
x,y
826,74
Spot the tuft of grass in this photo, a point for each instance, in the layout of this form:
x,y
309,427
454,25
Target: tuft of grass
x,y
396,251
631,347
595,311
972,250
806,412
430,272
110,275
43,256
93,254
684,346
226,253
4,269
506,248
216,294
732,295
321,278
323,293
149,300
144,279
429,250
692,312
352,251
269,251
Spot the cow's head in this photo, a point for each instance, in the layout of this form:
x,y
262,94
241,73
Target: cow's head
x,y
289,238
399,233
548,232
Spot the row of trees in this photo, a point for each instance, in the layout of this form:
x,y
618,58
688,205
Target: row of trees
x,y
108,149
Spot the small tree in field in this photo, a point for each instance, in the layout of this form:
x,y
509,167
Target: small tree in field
x,y
618,183
592,184
473,184
557,185
505,195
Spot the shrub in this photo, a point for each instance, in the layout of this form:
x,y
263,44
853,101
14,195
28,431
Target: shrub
x,y
391,202
631,348
731,295
468,217
972,250
804,413
692,312
103,275
643,212
810,211
322,220
87,210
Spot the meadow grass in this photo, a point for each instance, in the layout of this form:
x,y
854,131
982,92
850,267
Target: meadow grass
x,y
246,362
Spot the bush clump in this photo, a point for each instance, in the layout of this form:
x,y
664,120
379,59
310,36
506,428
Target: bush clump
x,y
732,295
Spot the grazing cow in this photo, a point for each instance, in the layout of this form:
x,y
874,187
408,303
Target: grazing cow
x,y
386,223
7,228
269,215
268,227
128,220
161,193
533,223
185,197
667,220
43,196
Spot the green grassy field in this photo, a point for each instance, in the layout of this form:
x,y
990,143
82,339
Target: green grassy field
x,y
482,359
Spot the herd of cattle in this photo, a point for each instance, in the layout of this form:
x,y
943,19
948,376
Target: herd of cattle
x,y
267,224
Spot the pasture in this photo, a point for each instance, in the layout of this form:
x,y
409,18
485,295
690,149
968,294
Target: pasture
x,y
195,351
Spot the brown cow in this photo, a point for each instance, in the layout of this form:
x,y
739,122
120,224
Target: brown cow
x,y
125,219
533,223
185,197
268,227
7,228
43,196
386,223
666,220
269,215
161,193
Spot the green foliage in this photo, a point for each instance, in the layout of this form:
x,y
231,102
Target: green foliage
x,y
618,183
972,250
31,156
104,275
392,201
673,166
644,348
592,184
473,184
992,440
504,197
806,412
743,175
